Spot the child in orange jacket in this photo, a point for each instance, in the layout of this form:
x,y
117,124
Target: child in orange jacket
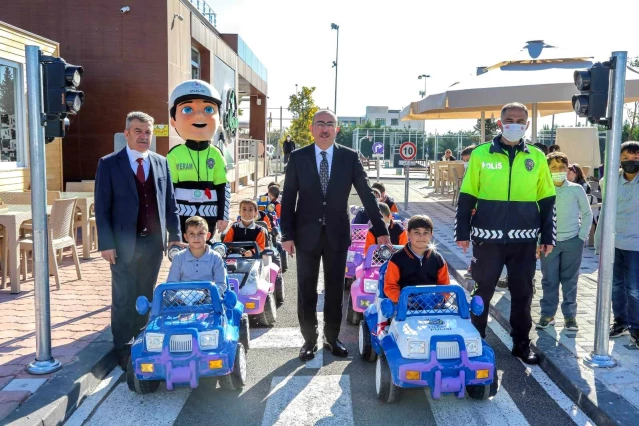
x,y
418,263
398,234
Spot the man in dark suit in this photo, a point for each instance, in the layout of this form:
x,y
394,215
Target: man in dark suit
x,y
134,208
315,221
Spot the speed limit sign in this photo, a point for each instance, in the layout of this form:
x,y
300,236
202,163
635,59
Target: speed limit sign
x,y
408,151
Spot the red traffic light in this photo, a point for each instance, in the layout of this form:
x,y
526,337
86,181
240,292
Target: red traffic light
x,y
582,80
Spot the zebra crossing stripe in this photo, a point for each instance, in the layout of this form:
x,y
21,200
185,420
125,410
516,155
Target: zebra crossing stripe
x,y
309,400
139,408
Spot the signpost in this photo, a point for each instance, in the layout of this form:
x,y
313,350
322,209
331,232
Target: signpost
x,y
378,154
407,151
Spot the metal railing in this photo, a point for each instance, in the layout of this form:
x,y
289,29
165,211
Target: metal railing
x,y
203,7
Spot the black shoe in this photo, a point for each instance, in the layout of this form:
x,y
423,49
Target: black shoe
x,y
336,347
617,329
522,351
634,338
307,352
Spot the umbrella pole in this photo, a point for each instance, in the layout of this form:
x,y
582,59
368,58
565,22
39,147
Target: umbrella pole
x,y
534,123
483,127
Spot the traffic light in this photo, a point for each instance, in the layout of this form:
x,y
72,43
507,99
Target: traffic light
x,y
61,97
593,85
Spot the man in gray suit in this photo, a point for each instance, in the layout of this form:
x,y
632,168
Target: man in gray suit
x,y
134,209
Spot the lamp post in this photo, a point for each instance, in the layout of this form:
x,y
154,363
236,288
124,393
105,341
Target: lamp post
x,y
335,27
424,76
296,88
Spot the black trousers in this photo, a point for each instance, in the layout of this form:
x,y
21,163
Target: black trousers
x,y
308,264
488,263
130,280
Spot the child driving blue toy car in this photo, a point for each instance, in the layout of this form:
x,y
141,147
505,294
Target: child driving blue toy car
x,y
199,262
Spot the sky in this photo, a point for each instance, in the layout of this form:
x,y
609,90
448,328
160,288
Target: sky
x,y
384,45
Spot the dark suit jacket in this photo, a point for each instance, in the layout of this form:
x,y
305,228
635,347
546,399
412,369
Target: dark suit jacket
x,y
116,203
303,204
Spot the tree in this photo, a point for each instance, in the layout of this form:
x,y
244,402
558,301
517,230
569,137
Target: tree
x,y
633,112
7,92
303,107
491,128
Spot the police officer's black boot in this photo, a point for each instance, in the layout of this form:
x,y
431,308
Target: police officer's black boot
x,y
522,351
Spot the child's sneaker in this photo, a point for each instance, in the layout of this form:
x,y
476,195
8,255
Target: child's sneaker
x,y
617,329
544,322
634,337
570,324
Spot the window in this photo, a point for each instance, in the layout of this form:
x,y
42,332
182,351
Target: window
x,y
11,114
380,121
394,122
195,63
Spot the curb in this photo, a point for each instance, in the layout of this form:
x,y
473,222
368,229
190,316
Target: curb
x,y
56,400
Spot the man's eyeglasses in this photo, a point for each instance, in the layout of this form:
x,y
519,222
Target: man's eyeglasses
x,y
324,125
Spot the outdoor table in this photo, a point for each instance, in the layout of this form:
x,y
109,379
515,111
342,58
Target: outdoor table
x,y
11,217
84,203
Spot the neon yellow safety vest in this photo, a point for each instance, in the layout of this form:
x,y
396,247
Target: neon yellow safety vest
x,y
507,196
198,173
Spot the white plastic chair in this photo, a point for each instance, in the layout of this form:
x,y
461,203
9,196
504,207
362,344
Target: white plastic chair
x,y
60,237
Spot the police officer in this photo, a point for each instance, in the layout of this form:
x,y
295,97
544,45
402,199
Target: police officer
x,y
508,183
198,169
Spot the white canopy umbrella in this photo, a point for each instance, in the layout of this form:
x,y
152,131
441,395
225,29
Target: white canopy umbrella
x,y
540,76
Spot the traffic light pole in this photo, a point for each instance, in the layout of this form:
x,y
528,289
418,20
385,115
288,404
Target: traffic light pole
x,y
600,357
44,362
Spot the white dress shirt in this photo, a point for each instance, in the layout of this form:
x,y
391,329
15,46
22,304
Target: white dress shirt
x,y
329,158
133,157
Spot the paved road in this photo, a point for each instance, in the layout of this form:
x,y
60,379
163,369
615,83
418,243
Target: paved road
x,y
281,390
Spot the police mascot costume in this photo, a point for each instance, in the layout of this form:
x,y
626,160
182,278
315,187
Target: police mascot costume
x,y
198,169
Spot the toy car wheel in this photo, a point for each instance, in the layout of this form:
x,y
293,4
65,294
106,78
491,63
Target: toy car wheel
x,y
269,315
237,379
365,346
279,290
139,386
347,283
483,392
352,316
384,386
245,334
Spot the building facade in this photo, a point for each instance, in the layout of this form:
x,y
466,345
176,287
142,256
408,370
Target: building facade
x,y
381,116
14,136
133,57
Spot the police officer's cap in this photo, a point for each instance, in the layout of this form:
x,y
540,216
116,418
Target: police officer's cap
x,y
194,89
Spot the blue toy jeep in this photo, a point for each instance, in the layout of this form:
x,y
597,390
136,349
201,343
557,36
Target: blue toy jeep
x,y
430,342
192,333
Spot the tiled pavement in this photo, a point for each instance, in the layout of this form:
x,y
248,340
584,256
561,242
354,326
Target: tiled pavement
x,y
622,380
80,313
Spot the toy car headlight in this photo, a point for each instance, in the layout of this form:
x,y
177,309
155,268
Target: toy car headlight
x,y
473,347
370,286
350,256
154,342
417,347
209,339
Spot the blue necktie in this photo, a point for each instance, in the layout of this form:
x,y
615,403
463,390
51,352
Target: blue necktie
x,y
323,172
